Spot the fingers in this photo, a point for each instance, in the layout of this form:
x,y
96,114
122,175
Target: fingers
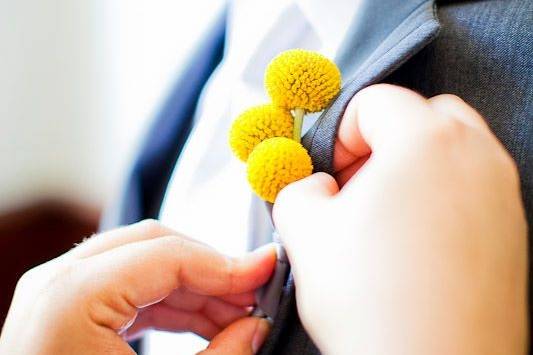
x,y
344,175
377,116
144,230
166,318
350,145
183,311
300,201
383,116
314,187
455,108
186,297
220,312
243,337
241,299
309,190
142,273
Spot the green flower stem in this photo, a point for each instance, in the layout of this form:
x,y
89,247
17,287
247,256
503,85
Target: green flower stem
x,y
298,122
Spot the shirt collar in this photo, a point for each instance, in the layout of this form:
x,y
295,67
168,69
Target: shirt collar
x,y
330,20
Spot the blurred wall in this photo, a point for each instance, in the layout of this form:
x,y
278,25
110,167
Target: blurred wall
x,y
78,83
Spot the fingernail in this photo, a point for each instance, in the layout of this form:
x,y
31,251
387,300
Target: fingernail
x,y
268,249
263,328
264,248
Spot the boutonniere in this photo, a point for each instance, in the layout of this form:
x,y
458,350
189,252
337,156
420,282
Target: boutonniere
x,y
267,137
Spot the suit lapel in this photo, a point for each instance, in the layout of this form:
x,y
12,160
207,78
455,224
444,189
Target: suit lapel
x,y
383,36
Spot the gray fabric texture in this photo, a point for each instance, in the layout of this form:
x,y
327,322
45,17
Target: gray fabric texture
x,y
482,54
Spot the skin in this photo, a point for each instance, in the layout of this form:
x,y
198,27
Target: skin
x,y
417,246
115,285
421,233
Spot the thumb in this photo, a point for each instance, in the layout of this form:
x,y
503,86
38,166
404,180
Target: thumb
x,y
298,203
242,337
301,195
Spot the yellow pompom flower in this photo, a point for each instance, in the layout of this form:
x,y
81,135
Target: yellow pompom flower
x,y
257,124
301,79
275,163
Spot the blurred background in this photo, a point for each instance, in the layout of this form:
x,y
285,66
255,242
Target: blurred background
x,y
79,82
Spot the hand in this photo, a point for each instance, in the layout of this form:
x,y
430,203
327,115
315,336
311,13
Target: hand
x,y
418,246
117,284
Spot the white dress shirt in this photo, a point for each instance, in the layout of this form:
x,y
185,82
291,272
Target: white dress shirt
x,y
208,197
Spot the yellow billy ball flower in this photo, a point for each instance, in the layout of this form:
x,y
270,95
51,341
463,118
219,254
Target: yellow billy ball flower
x,y
257,124
275,163
302,79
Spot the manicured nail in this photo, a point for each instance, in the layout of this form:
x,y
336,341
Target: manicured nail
x,y
263,328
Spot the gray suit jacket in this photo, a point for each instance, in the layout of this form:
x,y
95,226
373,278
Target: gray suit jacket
x,y
481,51
478,50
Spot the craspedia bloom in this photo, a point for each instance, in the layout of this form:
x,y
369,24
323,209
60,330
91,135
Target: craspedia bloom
x,y
302,79
275,163
257,124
